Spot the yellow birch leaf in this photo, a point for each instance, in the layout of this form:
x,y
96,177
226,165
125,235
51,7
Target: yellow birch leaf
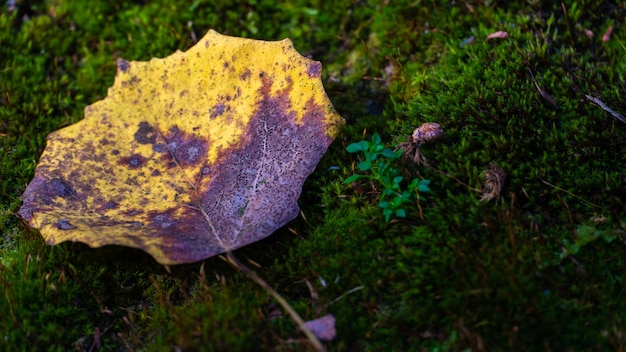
x,y
188,156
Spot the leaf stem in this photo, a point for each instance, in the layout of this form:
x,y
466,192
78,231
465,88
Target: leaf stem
x,y
232,260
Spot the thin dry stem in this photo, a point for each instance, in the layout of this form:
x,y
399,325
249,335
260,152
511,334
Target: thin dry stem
x,y
315,342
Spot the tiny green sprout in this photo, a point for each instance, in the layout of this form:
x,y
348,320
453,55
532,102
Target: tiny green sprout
x,y
377,166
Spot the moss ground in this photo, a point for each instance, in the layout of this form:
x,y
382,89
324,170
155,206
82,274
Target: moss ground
x,y
540,268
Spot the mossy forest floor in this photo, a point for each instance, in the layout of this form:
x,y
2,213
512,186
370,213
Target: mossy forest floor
x,y
540,268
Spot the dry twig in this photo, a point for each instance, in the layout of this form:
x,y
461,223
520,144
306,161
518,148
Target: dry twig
x,y
606,108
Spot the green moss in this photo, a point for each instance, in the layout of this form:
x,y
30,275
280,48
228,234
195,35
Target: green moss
x,y
41,303
539,268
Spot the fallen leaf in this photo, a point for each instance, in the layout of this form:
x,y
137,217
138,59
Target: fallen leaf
x,y
498,35
188,156
323,328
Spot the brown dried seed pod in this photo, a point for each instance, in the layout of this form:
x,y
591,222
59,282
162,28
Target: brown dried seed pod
x,y
427,132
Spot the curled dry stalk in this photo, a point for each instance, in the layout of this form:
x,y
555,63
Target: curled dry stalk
x,y
232,260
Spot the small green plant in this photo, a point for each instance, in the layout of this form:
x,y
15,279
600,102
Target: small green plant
x,y
377,164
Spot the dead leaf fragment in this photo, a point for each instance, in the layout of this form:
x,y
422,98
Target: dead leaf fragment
x,y
188,156
323,328
498,35
493,181
607,35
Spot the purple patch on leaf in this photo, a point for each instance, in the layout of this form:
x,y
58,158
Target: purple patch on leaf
x,y
123,65
54,188
162,220
159,147
64,224
314,70
185,149
133,212
145,133
218,110
109,205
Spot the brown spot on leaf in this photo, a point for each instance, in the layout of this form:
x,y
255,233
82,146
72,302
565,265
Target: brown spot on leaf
x,y
145,134
245,75
134,161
